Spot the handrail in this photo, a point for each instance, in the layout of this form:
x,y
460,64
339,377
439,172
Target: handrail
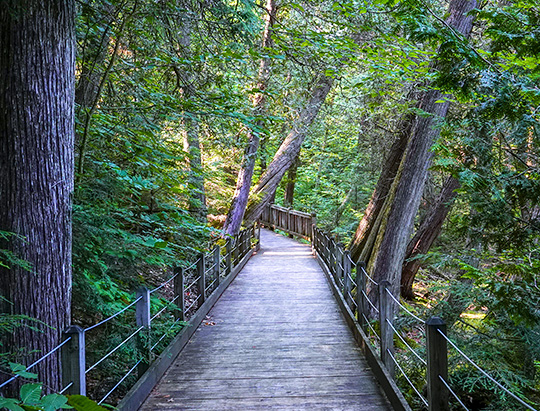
x,y
202,280
352,280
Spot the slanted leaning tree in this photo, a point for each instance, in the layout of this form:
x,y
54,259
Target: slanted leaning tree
x,y
245,175
287,153
37,88
385,246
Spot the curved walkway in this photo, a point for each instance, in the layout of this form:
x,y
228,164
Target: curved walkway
x,y
275,340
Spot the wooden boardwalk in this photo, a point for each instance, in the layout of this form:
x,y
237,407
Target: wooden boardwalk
x,y
275,340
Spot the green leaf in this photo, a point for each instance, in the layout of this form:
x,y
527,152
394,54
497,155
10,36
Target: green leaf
x,y
160,244
30,393
20,370
82,403
52,402
10,403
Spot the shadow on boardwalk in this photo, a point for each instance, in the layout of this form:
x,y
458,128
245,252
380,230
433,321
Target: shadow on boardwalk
x,y
275,340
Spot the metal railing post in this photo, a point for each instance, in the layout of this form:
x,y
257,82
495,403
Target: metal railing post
x,y
386,313
73,357
217,262
142,316
339,264
347,274
178,285
360,291
228,263
437,364
201,283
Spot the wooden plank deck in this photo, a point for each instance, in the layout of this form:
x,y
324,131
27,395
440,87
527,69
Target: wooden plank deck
x,y
275,340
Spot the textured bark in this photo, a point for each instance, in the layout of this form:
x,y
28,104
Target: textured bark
x,y
37,66
427,233
245,175
288,151
397,222
291,183
366,227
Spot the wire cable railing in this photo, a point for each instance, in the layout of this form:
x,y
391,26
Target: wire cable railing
x,y
112,316
355,292
485,374
40,359
176,304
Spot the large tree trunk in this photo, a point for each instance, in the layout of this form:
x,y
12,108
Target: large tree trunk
x,y
288,151
288,199
37,66
427,233
396,221
245,175
365,232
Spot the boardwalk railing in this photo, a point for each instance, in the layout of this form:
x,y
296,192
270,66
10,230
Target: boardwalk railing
x,y
376,329
186,297
291,221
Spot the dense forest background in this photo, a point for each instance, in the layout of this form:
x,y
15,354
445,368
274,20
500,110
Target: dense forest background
x,y
175,99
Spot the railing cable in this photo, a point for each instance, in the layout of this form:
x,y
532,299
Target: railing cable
x,y
37,361
407,378
403,307
113,350
113,316
485,373
119,382
453,393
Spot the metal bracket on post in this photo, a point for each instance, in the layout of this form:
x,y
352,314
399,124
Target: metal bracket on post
x,y
437,364
142,316
179,291
201,283
386,313
73,357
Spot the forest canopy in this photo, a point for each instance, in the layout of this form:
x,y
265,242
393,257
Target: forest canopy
x,y
410,128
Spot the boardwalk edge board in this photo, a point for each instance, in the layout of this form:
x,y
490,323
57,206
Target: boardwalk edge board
x,y
142,388
386,382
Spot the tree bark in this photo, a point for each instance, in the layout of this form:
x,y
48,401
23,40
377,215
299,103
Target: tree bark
x,y
291,183
358,245
288,151
245,175
397,219
427,233
37,66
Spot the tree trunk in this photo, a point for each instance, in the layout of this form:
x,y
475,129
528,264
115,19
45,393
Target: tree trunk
x,y
427,233
404,198
192,146
288,151
358,245
37,66
291,182
197,197
245,175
